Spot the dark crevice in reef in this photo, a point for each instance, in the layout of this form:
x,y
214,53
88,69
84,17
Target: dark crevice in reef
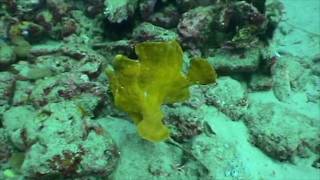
x,y
118,31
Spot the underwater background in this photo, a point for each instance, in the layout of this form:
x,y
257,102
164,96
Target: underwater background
x,y
160,89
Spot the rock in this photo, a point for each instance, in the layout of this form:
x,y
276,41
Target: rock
x,y
259,4
234,26
312,89
7,85
31,71
225,62
45,19
185,123
269,56
274,12
197,97
316,65
7,54
76,51
245,23
59,140
260,82
20,125
239,14
46,49
68,27
280,132
58,8
6,149
22,48
113,48
28,6
185,5
287,74
146,8
150,32
90,67
117,11
89,30
168,17
196,26
228,96
316,163
22,92
281,82
90,61
64,87
4,26
43,93
219,158
74,58
94,7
